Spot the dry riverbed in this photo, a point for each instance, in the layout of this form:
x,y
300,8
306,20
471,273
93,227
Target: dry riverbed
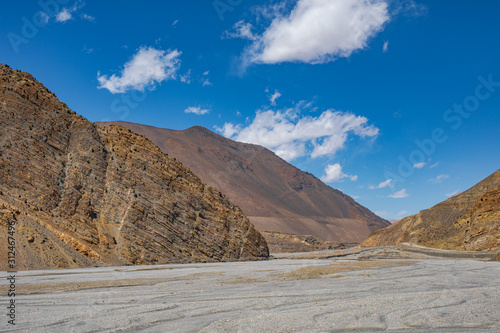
x,y
329,291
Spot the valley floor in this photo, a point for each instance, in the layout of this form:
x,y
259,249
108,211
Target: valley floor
x,y
358,289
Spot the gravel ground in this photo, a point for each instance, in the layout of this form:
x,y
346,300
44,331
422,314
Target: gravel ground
x,y
341,294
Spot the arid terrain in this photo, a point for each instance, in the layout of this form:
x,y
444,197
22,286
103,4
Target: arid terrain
x,y
83,195
467,221
283,242
362,290
275,195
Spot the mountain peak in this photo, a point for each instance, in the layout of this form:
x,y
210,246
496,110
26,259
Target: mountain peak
x,y
275,195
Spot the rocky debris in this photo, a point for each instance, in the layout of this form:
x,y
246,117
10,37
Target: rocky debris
x,y
280,242
275,195
92,195
467,221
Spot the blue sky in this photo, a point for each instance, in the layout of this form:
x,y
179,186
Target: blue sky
x,y
396,103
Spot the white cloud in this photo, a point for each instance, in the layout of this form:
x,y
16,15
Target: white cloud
x,y
419,165
439,179
87,17
334,173
274,97
434,165
399,194
410,8
147,67
197,110
316,31
44,18
228,130
186,78
383,184
452,194
355,197
240,30
385,214
205,81
64,15
403,213
385,48
291,135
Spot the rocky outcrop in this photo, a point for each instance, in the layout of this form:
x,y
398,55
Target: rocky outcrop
x,y
483,233
275,195
84,195
467,221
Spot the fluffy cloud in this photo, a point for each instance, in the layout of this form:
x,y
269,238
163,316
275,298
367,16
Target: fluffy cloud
x,y
240,30
274,97
334,173
315,31
197,110
64,15
291,135
147,67
384,184
399,194
439,179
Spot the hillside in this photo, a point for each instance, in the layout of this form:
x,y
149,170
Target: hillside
x,y
467,221
275,195
84,195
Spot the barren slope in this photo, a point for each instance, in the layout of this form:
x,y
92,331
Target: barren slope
x,y
469,220
275,195
484,231
84,195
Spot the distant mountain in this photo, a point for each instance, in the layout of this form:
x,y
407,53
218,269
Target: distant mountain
x,y
84,195
275,195
467,221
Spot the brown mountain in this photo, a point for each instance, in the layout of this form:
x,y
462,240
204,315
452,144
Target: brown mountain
x,y
275,195
467,221
83,195
484,229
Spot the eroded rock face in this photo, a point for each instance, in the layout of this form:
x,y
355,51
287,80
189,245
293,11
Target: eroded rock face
x,y
467,221
275,195
84,195
484,231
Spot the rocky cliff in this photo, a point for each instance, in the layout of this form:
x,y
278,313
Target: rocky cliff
x,y
85,195
275,195
483,233
467,221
